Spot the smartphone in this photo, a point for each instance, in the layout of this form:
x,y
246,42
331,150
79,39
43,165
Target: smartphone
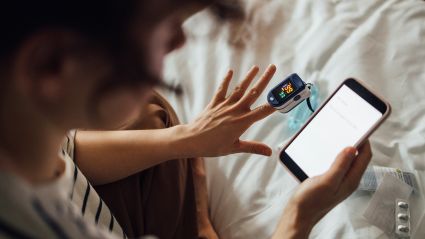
x,y
347,118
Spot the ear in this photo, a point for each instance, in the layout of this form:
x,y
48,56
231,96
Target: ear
x,y
40,64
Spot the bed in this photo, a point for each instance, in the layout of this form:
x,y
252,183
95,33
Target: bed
x,y
381,42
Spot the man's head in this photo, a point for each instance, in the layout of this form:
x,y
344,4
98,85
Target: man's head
x,y
87,63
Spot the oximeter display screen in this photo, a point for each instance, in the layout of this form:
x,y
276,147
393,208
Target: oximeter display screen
x,y
284,90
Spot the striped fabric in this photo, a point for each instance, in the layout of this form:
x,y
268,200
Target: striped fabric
x,y
67,207
83,194
43,211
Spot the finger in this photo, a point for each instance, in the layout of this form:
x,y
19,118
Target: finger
x,y
239,91
359,166
259,113
341,166
220,95
255,92
253,148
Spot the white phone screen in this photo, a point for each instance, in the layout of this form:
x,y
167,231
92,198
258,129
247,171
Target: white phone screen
x,y
342,122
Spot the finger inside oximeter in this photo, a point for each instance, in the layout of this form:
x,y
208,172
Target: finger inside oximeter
x,y
288,94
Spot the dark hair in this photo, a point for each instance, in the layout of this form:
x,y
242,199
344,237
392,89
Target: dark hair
x,y
103,24
100,20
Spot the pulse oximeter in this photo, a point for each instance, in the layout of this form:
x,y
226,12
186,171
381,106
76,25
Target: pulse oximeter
x,y
289,93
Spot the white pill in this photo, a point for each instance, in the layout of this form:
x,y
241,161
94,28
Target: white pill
x,y
403,205
403,228
403,216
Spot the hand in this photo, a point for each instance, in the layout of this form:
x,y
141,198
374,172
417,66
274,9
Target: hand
x,y
316,196
217,130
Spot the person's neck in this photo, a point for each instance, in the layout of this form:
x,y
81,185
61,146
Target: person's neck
x,y
29,144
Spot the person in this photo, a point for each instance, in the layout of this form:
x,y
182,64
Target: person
x,y
89,65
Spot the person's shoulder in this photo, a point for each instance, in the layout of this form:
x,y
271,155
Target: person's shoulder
x,y
13,189
16,210
24,213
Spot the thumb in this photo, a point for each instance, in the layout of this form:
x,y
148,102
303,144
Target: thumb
x,y
253,147
341,166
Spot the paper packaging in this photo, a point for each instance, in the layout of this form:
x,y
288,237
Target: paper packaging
x,y
374,175
381,208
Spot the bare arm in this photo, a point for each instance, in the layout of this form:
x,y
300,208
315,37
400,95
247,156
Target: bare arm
x,y
107,156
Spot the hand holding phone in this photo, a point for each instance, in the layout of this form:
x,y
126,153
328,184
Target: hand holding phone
x,y
346,118
316,196
318,155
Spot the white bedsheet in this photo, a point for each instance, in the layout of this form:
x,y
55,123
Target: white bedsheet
x,y
381,42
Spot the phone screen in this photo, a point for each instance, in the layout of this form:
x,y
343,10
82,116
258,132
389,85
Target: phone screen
x,y
342,122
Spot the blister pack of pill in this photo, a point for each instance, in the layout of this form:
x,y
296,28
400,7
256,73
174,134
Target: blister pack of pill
x,y
402,218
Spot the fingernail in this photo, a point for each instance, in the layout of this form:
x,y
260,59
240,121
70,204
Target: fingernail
x,y
268,152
